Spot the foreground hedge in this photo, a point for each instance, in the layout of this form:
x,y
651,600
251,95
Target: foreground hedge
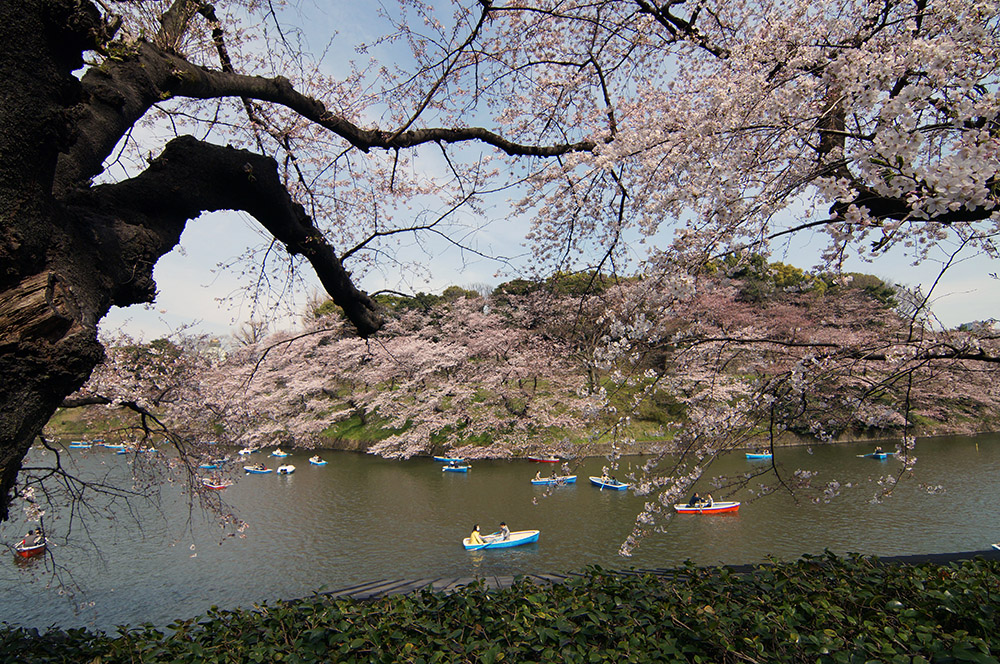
x,y
825,609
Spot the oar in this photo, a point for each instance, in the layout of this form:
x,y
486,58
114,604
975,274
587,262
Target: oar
x,y
487,543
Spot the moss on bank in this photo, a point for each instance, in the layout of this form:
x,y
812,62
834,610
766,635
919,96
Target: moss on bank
x,y
819,609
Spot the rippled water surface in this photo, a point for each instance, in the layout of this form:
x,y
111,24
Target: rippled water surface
x,y
361,519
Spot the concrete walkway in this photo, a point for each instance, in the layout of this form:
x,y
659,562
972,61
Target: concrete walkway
x,y
385,587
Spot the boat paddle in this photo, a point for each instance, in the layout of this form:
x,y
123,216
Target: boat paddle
x,y
487,542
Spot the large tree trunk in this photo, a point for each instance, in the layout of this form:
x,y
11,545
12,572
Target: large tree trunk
x,y
45,354
48,342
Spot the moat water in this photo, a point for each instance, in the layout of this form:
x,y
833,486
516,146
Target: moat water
x,y
361,518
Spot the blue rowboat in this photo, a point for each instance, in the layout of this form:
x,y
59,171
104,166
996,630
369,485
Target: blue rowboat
x,y
608,483
279,453
80,445
455,468
876,455
493,541
557,481
317,461
444,459
256,470
759,455
208,466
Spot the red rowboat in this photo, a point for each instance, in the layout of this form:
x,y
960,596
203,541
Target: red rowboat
x,y
29,550
545,459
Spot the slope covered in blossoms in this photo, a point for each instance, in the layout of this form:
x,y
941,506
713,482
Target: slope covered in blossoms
x,y
738,357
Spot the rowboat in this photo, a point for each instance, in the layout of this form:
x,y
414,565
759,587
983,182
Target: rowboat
x,y
208,466
544,459
218,485
456,468
257,470
553,480
114,446
493,541
245,451
316,461
287,469
608,483
718,507
444,459
26,550
80,445
876,455
278,452
759,455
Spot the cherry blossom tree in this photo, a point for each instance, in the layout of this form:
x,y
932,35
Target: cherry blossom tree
x,y
809,366
455,376
702,128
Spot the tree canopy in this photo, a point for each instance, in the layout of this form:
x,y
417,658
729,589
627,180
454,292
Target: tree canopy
x,y
701,128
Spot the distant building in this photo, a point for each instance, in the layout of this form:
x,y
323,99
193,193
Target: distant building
x,y
214,349
979,326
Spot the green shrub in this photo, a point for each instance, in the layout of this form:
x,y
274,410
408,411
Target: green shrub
x,y
819,609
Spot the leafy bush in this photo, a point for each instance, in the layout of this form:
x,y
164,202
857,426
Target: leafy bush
x,y
819,609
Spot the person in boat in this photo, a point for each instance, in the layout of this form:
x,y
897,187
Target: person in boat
x,y
538,475
33,538
708,502
695,500
504,531
878,449
474,537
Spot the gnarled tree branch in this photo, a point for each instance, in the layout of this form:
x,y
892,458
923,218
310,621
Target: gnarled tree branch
x,y
191,177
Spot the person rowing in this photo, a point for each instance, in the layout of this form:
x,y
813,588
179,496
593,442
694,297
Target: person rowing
x,y
504,531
